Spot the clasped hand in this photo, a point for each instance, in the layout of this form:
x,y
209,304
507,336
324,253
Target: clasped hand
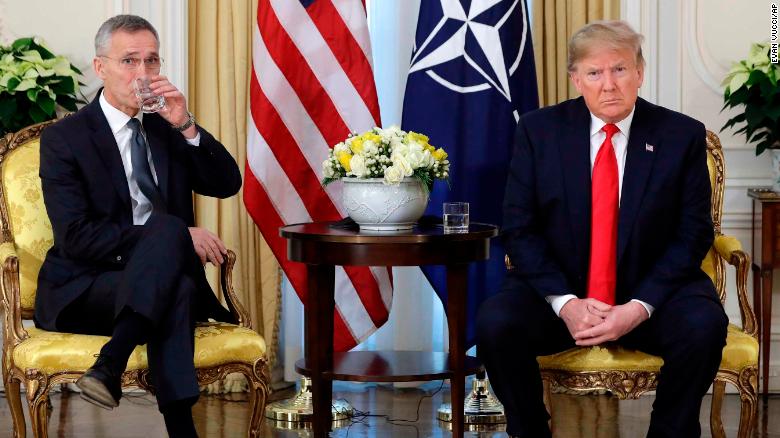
x,y
592,322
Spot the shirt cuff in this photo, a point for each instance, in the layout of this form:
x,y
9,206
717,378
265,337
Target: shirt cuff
x,y
195,141
558,301
650,309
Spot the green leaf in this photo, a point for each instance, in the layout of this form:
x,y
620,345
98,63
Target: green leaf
x,y
13,83
21,43
755,77
26,84
772,111
46,103
65,86
67,102
37,114
32,94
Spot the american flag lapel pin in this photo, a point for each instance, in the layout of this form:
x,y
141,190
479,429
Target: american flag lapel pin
x,y
649,147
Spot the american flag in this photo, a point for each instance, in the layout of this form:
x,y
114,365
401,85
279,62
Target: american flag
x,y
312,84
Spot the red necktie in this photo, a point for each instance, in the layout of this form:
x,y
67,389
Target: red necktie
x,y
604,222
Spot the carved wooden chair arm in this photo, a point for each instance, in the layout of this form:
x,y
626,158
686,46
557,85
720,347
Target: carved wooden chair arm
x,y
226,281
14,332
730,249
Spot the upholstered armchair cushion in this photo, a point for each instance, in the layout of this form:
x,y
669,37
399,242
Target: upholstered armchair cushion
x,y
29,222
216,343
741,350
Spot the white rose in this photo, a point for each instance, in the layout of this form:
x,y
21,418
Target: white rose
x,y
415,155
398,148
341,147
370,148
358,165
327,169
402,163
393,176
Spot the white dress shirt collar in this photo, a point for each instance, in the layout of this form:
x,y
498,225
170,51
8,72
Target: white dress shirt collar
x,y
116,118
624,125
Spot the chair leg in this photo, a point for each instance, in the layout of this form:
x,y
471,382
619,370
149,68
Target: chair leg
x,y
257,400
547,397
14,396
39,415
716,425
748,389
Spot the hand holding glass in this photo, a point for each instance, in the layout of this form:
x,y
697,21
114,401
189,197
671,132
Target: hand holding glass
x,y
456,217
147,100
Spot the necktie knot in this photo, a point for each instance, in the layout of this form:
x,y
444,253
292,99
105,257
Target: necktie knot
x,y
610,129
134,124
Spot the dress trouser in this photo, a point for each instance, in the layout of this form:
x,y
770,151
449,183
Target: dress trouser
x,y
164,281
688,332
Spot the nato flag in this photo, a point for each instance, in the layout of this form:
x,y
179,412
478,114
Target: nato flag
x,y
471,77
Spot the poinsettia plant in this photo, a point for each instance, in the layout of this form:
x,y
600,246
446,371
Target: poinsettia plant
x,y
33,81
751,86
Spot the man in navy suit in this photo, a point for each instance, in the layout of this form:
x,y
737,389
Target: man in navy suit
x,y
607,220
127,260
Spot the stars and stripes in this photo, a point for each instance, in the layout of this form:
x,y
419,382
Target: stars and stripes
x,y
311,85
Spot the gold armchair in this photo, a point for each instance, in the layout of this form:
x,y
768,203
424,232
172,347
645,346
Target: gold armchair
x,y
42,359
628,374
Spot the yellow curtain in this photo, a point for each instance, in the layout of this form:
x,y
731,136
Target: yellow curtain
x,y
554,21
220,57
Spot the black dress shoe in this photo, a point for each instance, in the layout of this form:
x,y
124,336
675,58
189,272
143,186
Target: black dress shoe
x,y
100,385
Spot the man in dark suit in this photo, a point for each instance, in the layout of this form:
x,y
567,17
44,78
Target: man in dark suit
x,y
127,261
607,220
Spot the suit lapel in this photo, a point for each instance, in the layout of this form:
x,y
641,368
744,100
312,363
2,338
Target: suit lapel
x,y
574,148
639,163
155,136
103,140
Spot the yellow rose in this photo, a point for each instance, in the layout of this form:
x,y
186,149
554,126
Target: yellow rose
x,y
373,137
419,138
439,154
356,145
429,148
344,158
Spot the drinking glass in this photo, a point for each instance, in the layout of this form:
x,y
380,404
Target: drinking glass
x,y
147,100
456,217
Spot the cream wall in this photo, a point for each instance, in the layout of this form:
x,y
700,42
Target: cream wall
x,y
689,47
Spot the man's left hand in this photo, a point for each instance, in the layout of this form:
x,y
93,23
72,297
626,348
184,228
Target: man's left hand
x,y
618,321
175,109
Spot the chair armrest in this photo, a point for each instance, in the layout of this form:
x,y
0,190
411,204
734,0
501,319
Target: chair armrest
x,y
730,249
226,281
14,332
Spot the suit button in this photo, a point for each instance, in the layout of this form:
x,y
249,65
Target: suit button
x,y
119,258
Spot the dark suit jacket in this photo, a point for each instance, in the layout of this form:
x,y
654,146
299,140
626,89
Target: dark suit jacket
x,y
88,201
664,224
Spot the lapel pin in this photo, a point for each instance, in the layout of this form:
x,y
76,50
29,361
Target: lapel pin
x,y
649,147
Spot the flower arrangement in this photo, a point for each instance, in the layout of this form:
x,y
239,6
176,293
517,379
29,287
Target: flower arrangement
x,y
391,154
752,83
32,82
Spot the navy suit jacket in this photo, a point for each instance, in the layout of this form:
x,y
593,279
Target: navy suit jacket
x,y
664,224
88,201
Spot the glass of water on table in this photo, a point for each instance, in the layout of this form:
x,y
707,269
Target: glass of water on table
x,y
456,217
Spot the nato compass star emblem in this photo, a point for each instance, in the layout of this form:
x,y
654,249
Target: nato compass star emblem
x,y
473,37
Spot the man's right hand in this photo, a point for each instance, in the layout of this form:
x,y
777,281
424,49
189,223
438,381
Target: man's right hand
x,y
583,313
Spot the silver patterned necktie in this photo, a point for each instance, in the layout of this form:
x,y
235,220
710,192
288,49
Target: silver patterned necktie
x,y
141,169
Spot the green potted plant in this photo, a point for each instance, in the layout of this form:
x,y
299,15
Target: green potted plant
x,y
33,81
751,86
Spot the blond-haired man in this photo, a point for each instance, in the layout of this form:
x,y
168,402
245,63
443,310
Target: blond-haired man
x,y
607,219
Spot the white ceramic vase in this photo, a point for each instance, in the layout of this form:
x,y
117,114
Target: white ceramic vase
x,y
775,153
379,207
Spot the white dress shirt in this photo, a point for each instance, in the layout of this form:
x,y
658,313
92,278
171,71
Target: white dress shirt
x,y
117,121
620,144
